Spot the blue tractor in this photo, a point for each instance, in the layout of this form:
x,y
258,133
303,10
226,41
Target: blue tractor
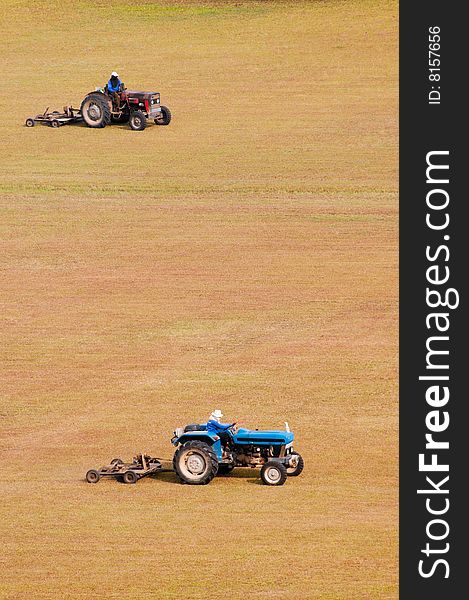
x,y
201,455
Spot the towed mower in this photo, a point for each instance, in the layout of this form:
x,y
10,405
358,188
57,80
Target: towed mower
x,y
55,118
141,466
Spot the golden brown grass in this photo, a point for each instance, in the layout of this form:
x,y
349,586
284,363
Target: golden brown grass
x,y
242,258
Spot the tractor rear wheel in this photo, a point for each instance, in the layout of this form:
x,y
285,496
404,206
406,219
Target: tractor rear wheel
x,y
273,473
165,116
195,462
295,471
95,110
137,121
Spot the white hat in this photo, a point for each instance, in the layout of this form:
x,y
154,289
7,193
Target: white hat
x,y
114,74
217,414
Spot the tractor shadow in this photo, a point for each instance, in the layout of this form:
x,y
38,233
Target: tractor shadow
x,y
123,126
169,476
82,124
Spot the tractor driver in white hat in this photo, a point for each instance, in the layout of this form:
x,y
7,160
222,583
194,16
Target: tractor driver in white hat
x,y
221,429
114,86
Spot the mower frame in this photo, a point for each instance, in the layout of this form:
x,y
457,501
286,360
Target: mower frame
x,y
142,466
56,119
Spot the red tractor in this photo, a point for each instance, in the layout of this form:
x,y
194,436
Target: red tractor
x,y
100,108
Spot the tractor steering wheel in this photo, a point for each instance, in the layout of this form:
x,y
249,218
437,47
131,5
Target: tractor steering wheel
x,y
233,428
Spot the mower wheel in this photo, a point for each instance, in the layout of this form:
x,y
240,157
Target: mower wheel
x,y
165,118
130,477
95,110
295,471
30,123
195,462
225,469
92,476
55,124
137,121
273,473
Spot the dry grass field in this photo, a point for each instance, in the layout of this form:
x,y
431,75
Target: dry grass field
x,y
243,258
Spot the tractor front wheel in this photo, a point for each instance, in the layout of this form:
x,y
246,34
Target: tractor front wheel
x,y
137,121
165,116
195,462
273,473
295,471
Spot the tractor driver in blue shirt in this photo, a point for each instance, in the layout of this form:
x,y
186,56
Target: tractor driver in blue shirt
x,y
114,86
221,429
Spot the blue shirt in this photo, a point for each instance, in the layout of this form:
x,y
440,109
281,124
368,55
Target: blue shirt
x,y
216,427
111,88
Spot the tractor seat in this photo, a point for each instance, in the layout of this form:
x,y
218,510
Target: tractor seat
x,y
194,427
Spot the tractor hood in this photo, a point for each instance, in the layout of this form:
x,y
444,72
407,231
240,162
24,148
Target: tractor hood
x,y
249,436
141,95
